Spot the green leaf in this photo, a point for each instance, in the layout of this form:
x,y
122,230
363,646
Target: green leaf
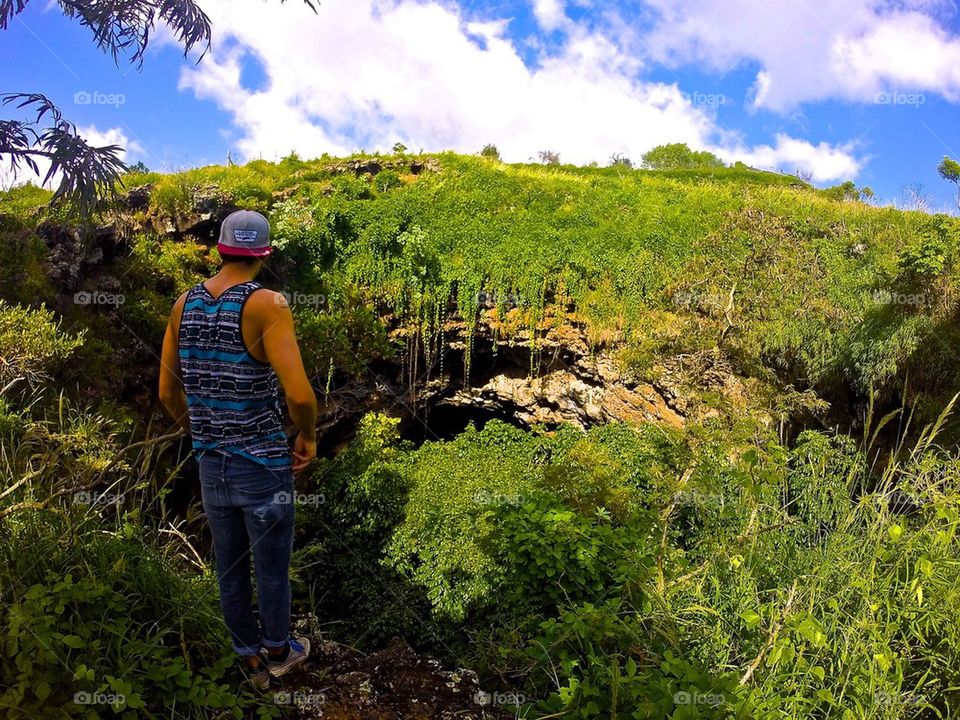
x,y
74,641
42,690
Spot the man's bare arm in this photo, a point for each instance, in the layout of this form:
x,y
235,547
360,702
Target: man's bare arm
x,y
282,352
171,385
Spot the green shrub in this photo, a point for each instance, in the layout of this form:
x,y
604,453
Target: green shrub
x,y
339,565
344,338
601,656
677,156
387,179
826,474
172,195
101,623
22,204
31,343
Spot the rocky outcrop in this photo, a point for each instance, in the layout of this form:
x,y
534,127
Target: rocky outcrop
x,y
569,381
374,166
583,394
70,258
208,207
137,199
564,382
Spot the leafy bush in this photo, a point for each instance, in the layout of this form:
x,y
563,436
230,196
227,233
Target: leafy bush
x,y
102,623
344,339
441,543
172,195
676,156
31,343
490,152
826,474
339,565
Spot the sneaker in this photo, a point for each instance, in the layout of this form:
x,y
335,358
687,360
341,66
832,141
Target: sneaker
x,y
297,651
259,676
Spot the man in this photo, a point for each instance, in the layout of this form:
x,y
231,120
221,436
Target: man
x,y
228,348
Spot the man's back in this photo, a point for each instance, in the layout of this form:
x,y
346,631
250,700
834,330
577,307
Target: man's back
x,y
267,332
233,396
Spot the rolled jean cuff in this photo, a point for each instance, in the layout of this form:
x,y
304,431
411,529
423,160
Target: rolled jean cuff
x,y
274,645
248,651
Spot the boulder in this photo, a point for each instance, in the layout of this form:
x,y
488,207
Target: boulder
x,y
66,254
208,207
138,199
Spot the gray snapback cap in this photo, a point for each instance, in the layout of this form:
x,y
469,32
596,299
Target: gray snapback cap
x,y
245,232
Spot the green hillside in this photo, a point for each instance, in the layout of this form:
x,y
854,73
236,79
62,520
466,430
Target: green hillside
x,y
785,547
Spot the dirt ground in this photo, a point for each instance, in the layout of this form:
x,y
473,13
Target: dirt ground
x,y
339,683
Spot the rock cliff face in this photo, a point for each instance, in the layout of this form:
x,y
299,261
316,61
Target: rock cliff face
x,y
564,382
208,207
568,382
564,396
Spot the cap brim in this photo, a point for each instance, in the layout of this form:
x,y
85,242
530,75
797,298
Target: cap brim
x,y
243,252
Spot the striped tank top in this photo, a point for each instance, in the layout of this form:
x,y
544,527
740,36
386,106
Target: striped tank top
x,y
233,398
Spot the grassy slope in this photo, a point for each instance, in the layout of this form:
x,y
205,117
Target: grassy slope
x,y
779,276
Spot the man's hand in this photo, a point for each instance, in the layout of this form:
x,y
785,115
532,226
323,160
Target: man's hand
x,y
304,451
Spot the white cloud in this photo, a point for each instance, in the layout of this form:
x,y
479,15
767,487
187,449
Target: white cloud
x,y
550,14
903,51
111,136
823,161
808,51
369,73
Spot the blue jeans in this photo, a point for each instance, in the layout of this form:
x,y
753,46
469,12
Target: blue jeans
x,y
250,507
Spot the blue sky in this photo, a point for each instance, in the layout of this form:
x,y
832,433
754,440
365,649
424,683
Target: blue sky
x,y
867,90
